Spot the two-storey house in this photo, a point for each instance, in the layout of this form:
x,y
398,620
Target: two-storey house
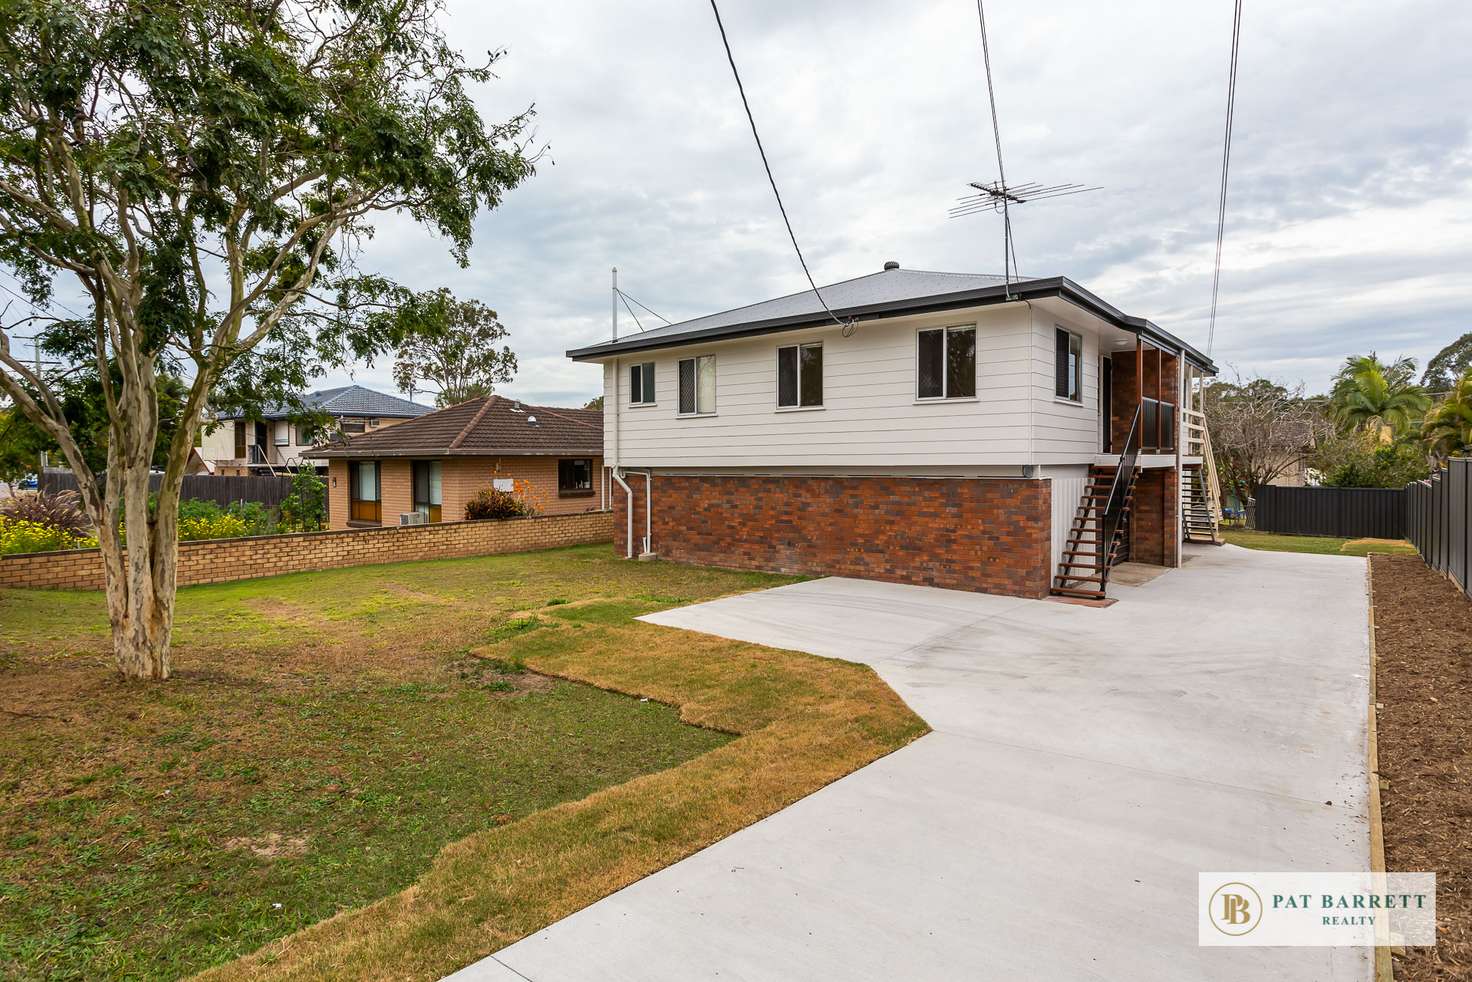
x,y
947,429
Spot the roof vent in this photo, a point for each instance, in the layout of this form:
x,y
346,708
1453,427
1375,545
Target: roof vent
x,y
531,421
892,264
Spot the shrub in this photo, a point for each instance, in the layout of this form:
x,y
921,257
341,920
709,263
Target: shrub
x,y
495,503
19,535
250,517
56,511
221,526
304,509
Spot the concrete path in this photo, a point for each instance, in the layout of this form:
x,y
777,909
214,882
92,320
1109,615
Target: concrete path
x,y
1086,764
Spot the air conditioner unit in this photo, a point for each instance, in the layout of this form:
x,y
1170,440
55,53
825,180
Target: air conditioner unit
x,y
413,518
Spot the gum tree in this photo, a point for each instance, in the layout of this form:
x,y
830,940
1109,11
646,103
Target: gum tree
x,y
206,174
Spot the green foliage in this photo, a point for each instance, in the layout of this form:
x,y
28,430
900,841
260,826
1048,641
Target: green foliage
x,y
223,526
21,445
594,403
494,503
456,354
1369,394
1449,364
1447,429
304,509
18,535
1386,465
55,511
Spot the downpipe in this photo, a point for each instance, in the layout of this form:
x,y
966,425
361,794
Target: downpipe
x,y
618,475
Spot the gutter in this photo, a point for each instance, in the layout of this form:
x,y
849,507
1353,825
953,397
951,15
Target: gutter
x,y
1057,287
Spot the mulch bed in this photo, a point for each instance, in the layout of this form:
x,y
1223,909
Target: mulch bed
x,y
1423,640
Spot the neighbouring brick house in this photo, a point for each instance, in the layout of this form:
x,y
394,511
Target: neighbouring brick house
x,y
549,456
956,430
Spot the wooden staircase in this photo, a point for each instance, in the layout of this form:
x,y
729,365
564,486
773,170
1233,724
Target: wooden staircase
x,y
1083,571
1200,515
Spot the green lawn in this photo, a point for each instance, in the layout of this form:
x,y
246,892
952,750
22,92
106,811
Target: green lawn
x,y
389,772
1273,542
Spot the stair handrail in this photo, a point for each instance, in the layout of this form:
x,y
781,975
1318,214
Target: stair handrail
x,y
1118,493
1213,482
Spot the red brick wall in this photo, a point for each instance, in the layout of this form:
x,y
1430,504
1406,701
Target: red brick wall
x,y
1153,518
220,560
989,535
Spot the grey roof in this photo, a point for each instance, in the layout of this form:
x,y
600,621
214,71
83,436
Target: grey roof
x,y
875,288
888,293
351,400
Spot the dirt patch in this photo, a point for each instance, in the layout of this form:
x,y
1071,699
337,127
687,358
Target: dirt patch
x,y
270,845
1423,643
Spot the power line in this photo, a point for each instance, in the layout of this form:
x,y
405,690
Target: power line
x,y
847,326
1221,208
28,303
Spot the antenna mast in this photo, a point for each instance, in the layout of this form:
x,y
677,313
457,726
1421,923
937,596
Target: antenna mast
x,y
615,303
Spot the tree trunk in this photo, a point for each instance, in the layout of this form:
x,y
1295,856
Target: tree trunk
x,y
139,577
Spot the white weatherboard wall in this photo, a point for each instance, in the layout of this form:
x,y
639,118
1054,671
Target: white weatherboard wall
x,y
870,416
1064,431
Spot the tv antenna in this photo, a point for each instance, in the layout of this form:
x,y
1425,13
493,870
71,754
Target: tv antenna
x,y
1001,197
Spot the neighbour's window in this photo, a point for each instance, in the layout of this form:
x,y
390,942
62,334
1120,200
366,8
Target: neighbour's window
x,y
641,384
575,478
363,505
427,497
800,376
698,386
946,363
1068,365
351,426
372,423
282,436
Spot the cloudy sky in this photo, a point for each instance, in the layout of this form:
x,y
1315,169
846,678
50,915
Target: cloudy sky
x,y
1350,215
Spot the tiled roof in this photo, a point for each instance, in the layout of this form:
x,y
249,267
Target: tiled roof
x,y
488,425
352,400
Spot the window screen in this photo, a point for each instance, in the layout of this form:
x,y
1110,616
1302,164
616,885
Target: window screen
x,y
932,358
698,385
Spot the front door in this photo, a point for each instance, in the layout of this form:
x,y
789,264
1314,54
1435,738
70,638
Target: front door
x,y
1106,400
240,439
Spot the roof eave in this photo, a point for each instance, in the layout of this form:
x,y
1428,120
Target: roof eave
x,y
1056,286
350,452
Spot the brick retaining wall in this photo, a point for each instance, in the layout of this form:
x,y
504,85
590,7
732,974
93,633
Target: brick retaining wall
x,y
992,535
220,560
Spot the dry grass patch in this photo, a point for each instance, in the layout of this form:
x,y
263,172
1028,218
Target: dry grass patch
x,y
803,722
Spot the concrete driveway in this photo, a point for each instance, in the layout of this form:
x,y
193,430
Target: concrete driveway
x,y
1086,764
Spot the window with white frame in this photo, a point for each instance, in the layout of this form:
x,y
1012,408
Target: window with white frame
x,y
698,386
1068,365
641,384
800,376
945,363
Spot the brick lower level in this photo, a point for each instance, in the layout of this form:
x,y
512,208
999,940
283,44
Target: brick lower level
x,y
985,534
1155,522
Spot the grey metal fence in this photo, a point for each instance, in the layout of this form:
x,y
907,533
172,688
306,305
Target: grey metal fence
x,y
219,488
1351,513
1439,520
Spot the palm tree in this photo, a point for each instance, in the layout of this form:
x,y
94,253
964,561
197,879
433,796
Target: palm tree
x,y
1448,427
1370,394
